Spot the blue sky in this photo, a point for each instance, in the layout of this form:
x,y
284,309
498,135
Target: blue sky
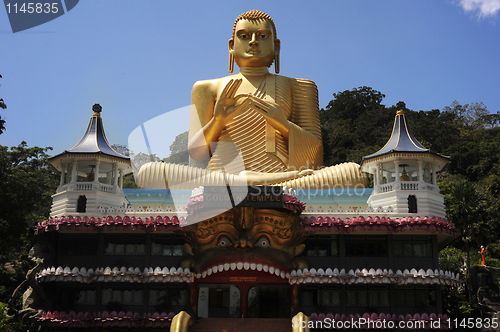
x,y
139,59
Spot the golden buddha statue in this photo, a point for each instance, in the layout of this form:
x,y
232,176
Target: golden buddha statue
x,y
253,127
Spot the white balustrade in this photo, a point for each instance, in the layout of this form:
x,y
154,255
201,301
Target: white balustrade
x,y
107,188
89,186
84,186
409,185
386,187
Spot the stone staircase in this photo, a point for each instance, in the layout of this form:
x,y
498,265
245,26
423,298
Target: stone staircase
x,y
239,325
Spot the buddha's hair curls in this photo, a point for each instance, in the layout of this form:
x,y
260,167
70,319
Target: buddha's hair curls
x,y
255,15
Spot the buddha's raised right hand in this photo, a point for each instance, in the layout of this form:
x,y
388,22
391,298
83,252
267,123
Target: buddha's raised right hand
x,y
225,107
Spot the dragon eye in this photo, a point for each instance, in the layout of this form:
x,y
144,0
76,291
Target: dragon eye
x,y
263,242
224,242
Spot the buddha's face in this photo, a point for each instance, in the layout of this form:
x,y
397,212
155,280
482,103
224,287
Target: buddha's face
x,y
253,44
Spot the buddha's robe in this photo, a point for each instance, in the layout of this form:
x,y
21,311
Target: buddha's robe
x,y
264,149
249,143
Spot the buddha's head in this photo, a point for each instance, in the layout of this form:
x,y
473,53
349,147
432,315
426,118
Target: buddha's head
x,y
254,42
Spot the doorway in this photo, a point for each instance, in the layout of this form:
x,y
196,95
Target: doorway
x,y
218,301
269,301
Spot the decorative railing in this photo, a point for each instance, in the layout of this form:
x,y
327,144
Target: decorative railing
x,y
83,186
372,276
91,224
104,319
358,224
107,188
89,186
430,187
408,185
123,274
386,188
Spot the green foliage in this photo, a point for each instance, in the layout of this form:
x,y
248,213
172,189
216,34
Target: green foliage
x,y
7,324
452,259
128,180
179,150
466,209
469,115
27,184
354,124
123,149
455,303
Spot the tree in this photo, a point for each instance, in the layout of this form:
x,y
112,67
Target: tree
x,y
354,124
122,149
465,208
179,150
27,184
128,180
471,115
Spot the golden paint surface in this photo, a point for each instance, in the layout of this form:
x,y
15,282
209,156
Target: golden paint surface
x,y
253,127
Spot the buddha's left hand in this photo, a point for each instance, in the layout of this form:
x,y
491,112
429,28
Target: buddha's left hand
x,y
272,112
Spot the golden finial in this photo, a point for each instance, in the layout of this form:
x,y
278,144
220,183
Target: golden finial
x,y
401,106
97,110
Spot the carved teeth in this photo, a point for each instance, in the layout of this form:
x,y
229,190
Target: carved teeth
x,y
265,268
204,274
259,267
277,272
233,266
239,265
246,266
253,266
226,267
209,271
221,268
271,270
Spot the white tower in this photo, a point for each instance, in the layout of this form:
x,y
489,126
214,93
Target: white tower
x,y
405,174
91,174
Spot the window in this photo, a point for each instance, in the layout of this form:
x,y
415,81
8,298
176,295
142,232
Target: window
x,y
167,246
412,204
78,245
366,246
72,298
329,297
125,245
371,296
81,205
116,298
412,246
415,296
321,246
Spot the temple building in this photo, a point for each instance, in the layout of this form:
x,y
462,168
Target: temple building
x,y
119,259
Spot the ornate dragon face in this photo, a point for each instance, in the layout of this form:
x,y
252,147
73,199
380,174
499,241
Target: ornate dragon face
x,y
246,235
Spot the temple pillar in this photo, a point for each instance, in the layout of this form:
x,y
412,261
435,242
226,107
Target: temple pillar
x,y
396,175
433,170
121,179
63,174
420,174
376,185
95,184
115,178
74,171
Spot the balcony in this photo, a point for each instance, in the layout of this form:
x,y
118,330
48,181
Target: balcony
x,y
88,186
408,185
